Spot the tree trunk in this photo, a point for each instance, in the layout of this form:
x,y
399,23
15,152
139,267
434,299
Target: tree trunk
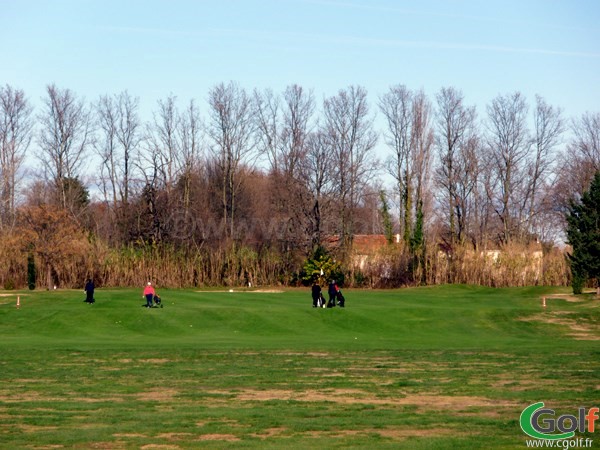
x,y
49,275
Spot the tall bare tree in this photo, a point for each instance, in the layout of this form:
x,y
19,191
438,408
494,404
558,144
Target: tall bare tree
x,y
587,138
422,139
231,130
456,170
396,106
15,136
317,168
283,124
410,136
349,129
576,167
299,106
548,128
119,136
509,144
163,142
190,148
65,135
268,120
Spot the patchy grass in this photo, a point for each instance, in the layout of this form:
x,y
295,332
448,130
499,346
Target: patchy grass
x,y
444,367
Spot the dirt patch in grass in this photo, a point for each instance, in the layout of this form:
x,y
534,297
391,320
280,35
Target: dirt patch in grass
x,y
106,445
99,400
219,437
356,396
396,434
578,330
49,447
399,433
36,428
568,297
174,436
158,395
270,432
154,361
152,446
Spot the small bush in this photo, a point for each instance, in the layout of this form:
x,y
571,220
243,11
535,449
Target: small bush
x,y
578,283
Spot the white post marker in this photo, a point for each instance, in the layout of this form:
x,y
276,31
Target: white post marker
x,y
18,301
544,302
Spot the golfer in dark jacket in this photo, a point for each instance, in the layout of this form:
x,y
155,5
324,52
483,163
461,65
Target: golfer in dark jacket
x,y
332,291
89,291
316,294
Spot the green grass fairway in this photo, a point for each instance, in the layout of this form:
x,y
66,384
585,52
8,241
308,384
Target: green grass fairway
x,y
442,367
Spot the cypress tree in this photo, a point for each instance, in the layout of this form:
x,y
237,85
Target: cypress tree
x,y
386,218
417,246
31,274
583,234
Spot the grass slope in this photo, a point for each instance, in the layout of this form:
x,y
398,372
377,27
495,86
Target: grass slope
x,y
439,367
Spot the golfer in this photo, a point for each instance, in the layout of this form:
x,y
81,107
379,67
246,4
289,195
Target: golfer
x,y
149,293
316,294
89,291
332,291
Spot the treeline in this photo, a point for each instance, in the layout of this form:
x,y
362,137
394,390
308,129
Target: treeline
x,y
261,187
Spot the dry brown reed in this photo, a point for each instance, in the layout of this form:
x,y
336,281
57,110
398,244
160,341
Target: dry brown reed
x,y
392,266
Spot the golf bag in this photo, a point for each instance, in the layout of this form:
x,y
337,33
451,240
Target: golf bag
x,y
340,299
321,302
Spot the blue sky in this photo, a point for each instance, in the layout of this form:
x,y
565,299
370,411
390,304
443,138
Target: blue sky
x,y
153,48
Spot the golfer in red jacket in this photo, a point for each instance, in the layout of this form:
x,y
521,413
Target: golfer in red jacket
x,y
149,294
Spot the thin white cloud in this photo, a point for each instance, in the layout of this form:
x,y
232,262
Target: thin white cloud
x,y
321,39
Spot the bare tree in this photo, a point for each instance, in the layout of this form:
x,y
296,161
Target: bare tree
x,y
549,127
107,146
190,146
587,138
298,111
457,162
410,136
129,136
349,129
163,143
283,126
509,144
577,166
471,203
316,170
15,136
119,136
396,106
64,138
231,130
421,144
583,159
268,123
